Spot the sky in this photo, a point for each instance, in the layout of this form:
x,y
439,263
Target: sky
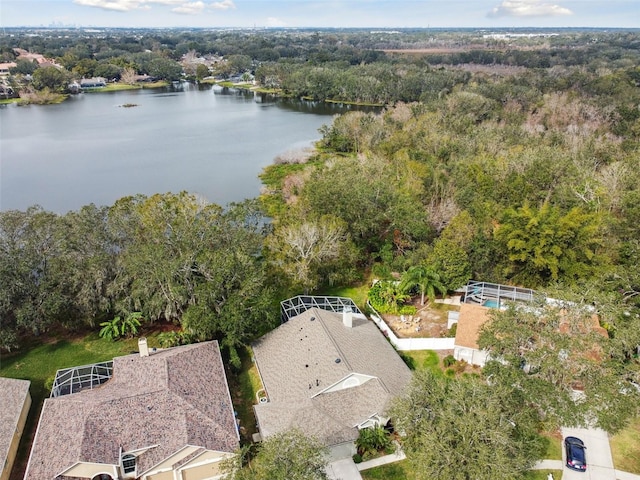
x,y
322,13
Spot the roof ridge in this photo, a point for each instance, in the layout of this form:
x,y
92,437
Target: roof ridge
x,y
343,357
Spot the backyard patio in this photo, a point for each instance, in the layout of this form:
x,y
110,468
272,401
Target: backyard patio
x,y
430,319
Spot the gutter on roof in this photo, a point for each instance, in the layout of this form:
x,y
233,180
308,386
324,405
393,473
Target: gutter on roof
x,y
35,438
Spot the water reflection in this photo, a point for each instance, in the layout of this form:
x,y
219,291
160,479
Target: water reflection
x,y
213,141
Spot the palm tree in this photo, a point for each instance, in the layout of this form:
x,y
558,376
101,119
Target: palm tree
x,y
120,327
110,329
130,324
425,278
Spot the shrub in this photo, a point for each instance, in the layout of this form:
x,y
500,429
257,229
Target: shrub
x,y
453,330
459,366
386,297
371,440
407,310
48,383
448,361
357,458
173,339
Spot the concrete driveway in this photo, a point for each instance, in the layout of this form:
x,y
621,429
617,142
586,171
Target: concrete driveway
x,y
343,469
599,460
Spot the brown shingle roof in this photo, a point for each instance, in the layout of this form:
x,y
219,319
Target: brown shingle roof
x,y
13,393
297,361
173,398
472,317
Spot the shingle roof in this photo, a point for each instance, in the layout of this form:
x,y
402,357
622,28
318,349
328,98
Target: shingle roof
x,y
298,361
173,398
13,393
472,317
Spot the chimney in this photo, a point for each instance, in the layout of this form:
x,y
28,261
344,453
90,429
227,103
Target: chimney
x,y
142,346
347,317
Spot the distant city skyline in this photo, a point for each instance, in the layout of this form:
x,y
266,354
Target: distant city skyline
x,y
322,13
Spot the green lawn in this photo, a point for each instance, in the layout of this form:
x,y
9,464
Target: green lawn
x,y
392,471
40,363
422,360
625,448
554,447
244,387
542,474
357,293
116,87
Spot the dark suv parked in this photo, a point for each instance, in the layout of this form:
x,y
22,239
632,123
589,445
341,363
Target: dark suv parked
x,y
576,456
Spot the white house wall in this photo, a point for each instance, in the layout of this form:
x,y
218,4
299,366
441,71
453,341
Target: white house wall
x,y
168,462
471,355
90,470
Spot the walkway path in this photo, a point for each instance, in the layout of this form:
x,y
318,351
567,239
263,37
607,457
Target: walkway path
x,y
346,469
600,462
343,469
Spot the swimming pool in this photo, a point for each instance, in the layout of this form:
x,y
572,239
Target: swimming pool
x,y
491,303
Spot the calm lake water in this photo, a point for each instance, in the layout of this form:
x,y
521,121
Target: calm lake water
x,y
90,149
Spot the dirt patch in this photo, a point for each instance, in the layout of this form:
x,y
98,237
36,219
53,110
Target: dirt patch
x,y
429,321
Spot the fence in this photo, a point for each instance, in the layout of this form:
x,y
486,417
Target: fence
x,y
296,305
410,343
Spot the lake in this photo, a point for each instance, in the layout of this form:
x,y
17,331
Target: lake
x,y
90,149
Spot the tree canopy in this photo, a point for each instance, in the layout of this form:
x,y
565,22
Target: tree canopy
x,y
287,455
171,257
465,429
563,363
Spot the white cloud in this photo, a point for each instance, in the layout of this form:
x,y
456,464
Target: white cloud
x,y
180,6
117,5
191,8
223,5
528,8
275,22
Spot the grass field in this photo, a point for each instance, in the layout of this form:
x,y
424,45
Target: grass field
x,y
392,471
244,388
422,360
553,449
542,474
40,363
357,293
625,448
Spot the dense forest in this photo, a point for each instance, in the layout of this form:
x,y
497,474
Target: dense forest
x,y
509,160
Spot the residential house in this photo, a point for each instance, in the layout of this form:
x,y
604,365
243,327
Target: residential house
x,y
465,345
5,67
15,401
162,415
479,299
328,375
40,59
93,82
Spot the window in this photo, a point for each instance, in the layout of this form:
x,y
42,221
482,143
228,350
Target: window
x,y
129,463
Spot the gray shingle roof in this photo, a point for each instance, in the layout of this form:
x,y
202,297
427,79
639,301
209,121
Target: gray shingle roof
x,y
297,361
13,393
173,398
